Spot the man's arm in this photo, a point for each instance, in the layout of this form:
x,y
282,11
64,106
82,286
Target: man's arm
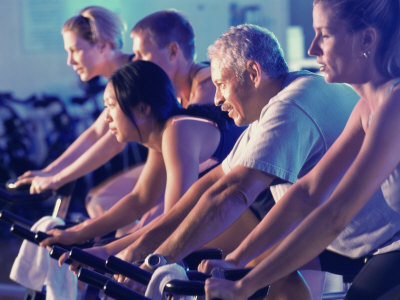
x,y
220,206
304,196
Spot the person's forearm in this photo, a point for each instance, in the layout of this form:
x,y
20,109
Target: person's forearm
x,y
125,241
280,221
209,218
317,231
89,137
218,208
293,251
98,154
126,211
164,226
76,149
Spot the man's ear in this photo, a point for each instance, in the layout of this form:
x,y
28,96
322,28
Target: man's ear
x,y
254,70
173,49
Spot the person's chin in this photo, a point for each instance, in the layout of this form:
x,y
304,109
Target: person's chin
x,y
328,78
85,77
239,122
120,139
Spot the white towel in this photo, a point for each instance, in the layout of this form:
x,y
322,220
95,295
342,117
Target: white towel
x,y
34,268
161,277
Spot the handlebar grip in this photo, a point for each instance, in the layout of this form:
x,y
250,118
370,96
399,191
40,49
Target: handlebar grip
x,y
40,236
184,287
121,292
192,260
195,275
88,259
10,218
235,274
23,232
92,278
12,187
122,267
57,251
17,197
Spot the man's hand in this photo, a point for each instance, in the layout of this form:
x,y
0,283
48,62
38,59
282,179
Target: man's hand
x,y
207,265
222,289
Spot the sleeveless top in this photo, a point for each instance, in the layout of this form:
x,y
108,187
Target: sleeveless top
x,y
229,132
391,186
376,227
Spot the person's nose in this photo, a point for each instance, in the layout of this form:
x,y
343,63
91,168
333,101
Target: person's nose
x,y
70,60
108,118
218,99
314,49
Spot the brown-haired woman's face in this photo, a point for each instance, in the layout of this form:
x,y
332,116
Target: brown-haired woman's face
x,y
338,50
85,58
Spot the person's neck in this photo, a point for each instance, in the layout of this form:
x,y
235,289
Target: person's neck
x,y
117,60
269,88
183,82
372,89
152,135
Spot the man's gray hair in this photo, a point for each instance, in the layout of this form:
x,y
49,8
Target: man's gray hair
x,y
249,42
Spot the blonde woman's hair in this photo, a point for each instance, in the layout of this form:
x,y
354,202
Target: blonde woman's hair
x,y
97,24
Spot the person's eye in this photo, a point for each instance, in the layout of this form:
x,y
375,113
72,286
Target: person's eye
x,y
324,35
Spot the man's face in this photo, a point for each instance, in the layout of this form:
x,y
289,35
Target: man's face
x,y
146,49
230,93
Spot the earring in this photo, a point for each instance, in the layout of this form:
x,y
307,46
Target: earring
x,y
366,54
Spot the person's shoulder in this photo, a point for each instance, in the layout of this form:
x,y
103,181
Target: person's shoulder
x,y
185,129
309,83
202,74
185,122
392,96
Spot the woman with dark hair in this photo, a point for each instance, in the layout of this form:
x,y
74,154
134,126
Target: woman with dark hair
x,y
356,42
141,106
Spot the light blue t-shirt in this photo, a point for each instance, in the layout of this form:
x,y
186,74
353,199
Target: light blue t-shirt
x,y
294,131
295,128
